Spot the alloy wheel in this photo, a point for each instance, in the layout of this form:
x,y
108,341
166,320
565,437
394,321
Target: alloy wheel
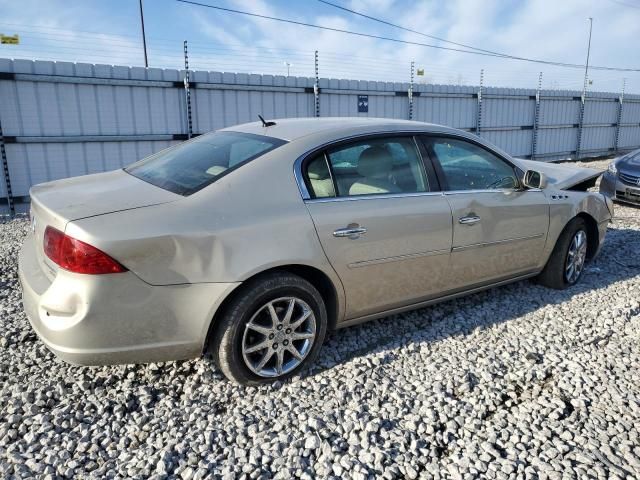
x,y
278,337
576,257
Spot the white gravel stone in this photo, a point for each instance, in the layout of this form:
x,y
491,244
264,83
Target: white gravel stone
x,y
517,382
312,443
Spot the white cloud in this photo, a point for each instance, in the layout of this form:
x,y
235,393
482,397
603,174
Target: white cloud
x,y
547,29
543,29
59,30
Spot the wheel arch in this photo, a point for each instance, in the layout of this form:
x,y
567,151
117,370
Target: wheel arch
x,y
319,279
593,236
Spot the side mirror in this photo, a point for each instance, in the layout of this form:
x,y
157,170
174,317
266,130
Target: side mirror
x,y
534,179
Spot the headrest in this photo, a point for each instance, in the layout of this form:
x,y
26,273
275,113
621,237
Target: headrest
x,y
318,170
375,162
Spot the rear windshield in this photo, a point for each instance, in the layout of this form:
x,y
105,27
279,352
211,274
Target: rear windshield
x,y
191,166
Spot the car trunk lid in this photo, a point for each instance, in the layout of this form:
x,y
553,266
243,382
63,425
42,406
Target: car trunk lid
x,y
59,202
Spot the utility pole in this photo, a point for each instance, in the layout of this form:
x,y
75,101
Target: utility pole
x,y
144,39
586,67
584,93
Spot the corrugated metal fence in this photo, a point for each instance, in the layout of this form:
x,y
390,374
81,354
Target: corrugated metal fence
x,y
63,119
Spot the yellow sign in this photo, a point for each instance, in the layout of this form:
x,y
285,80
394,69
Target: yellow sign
x,y
420,72
9,39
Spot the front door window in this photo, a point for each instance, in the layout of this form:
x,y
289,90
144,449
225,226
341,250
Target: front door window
x,y
469,167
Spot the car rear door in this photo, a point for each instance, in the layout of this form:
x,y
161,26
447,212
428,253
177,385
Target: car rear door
x,y
382,220
499,228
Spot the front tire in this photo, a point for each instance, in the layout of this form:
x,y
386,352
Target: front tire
x,y
272,329
567,261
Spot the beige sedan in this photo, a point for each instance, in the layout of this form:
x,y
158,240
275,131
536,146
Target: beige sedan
x,y
252,242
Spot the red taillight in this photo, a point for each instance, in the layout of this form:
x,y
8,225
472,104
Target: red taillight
x,y
77,256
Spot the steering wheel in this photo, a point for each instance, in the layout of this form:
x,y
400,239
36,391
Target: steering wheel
x,y
500,181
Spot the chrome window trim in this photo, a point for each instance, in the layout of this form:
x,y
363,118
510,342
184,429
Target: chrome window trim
x,y
297,165
306,196
373,196
477,142
420,159
494,190
377,196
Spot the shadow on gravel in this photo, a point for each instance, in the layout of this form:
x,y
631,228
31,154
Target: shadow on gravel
x,y
616,262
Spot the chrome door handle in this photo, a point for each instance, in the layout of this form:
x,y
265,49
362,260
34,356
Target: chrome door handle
x,y
350,232
470,220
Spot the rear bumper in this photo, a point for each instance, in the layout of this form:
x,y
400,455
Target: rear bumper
x,y
612,187
116,318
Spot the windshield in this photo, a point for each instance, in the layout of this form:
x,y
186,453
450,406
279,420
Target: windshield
x,y
191,166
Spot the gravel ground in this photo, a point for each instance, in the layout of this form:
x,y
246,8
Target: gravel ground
x,y
516,382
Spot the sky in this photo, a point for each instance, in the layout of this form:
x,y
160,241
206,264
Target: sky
x,y
103,31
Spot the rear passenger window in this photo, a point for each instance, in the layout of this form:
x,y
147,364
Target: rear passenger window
x,y
378,166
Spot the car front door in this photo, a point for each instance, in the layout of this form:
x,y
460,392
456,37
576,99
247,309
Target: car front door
x,y
382,221
499,228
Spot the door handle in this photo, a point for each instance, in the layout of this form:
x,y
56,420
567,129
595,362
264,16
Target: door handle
x,y
469,220
351,231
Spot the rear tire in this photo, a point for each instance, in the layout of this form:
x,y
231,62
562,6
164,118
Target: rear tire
x,y
272,329
566,263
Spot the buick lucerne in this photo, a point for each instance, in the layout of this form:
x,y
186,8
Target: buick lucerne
x,y
250,243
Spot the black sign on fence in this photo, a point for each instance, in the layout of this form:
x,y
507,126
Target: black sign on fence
x,y
363,103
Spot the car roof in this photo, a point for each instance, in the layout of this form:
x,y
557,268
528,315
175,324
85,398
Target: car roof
x,y
291,129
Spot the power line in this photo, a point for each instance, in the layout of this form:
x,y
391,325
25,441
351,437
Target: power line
x,y
361,34
73,45
385,22
396,40
624,4
44,27
144,37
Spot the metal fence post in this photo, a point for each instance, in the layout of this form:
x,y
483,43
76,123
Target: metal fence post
x,y
316,88
583,101
479,108
619,121
411,92
7,178
536,120
580,122
187,91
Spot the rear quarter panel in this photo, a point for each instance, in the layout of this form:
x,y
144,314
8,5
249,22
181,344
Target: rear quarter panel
x,y
250,220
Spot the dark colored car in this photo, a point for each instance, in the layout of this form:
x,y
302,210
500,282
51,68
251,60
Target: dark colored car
x,y
621,181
